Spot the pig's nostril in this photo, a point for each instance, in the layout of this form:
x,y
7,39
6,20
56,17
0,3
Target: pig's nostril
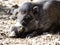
x,y
20,27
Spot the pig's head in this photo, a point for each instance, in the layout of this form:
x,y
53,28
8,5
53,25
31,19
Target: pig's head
x,y
26,21
27,17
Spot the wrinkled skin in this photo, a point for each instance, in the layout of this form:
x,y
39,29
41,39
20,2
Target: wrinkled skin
x,y
33,17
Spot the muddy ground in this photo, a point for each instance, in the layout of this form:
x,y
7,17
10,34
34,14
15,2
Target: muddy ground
x,y
44,39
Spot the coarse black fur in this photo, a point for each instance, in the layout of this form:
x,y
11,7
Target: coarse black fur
x,y
39,17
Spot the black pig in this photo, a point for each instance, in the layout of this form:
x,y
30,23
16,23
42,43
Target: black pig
x,y
37,17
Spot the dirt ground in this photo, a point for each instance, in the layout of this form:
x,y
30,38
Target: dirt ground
x,y
45,39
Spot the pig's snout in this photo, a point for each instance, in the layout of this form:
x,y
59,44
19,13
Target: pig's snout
x,y
16,30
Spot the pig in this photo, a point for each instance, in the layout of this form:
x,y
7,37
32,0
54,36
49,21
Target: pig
x,y
34,18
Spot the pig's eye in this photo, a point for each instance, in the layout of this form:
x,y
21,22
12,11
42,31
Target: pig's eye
x,y
24,12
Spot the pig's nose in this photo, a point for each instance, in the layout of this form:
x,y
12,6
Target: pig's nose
x,y
19,27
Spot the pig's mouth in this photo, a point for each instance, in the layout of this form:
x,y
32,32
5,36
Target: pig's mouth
x,y
17,31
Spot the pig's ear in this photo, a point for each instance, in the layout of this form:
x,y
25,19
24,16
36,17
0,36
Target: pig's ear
x,y
35,9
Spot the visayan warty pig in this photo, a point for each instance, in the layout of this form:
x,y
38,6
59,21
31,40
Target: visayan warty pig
x,y
36,17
